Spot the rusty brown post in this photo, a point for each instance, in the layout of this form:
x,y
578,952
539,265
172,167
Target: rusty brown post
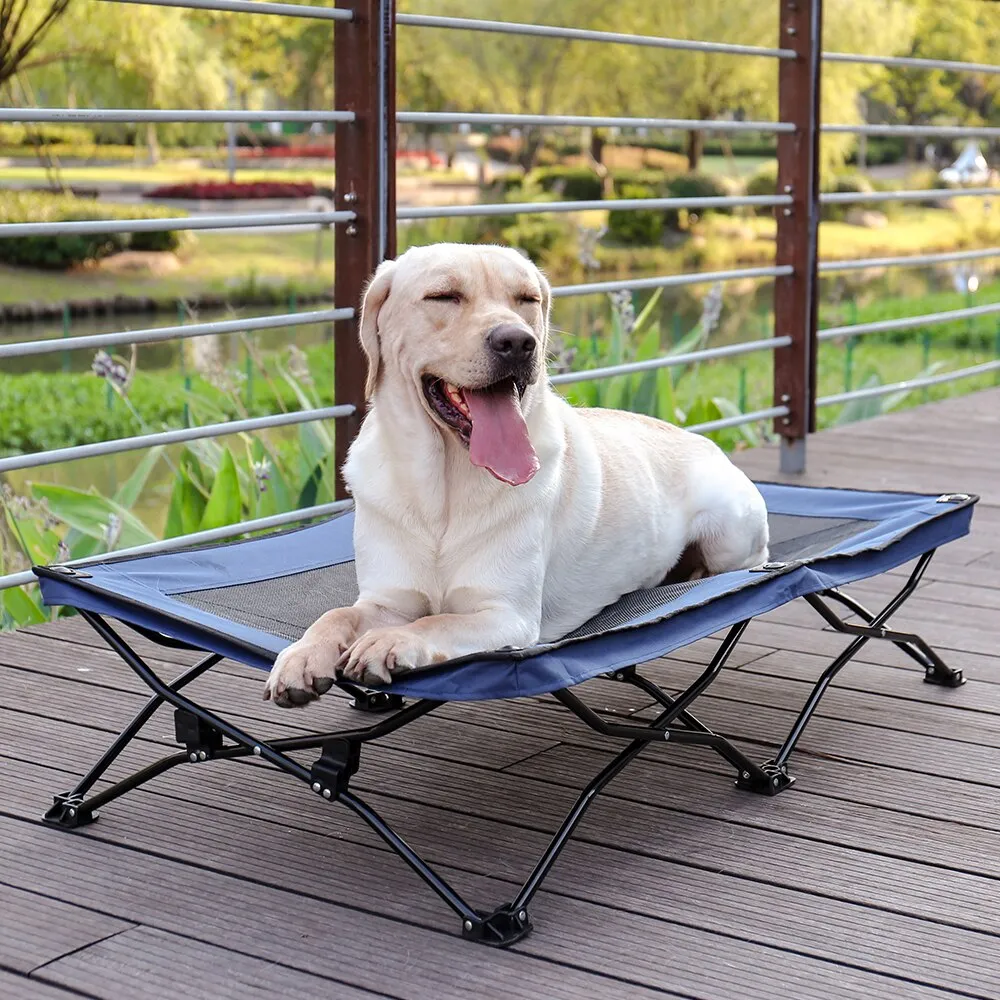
x,y
798,228
365,83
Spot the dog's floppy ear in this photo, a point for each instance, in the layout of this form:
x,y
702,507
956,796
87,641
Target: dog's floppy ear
x,y
374,298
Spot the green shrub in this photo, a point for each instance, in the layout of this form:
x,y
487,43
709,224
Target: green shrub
x,y
656,180
739,145
764,182
62,252
845,183
16,134
536,235
572,183
696,185
640,227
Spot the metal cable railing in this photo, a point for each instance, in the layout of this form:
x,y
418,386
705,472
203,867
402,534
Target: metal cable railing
x,y
932,194
92,227
910,260
871,392
589,121
129,116
908,322
251,7
180,436
162,333
671,360
671,281
587,35
610,204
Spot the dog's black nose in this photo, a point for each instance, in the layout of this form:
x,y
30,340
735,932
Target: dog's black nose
x,y
511,342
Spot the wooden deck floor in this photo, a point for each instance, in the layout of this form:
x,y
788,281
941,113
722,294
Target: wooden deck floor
x,y
876,876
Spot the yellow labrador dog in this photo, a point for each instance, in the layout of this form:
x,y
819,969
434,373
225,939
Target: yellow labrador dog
x,y
489,512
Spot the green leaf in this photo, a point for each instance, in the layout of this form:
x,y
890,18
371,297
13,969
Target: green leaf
x,y
647,310
649,346
129,492
666,404
22,609
224,504
90,514
187,506
310,488
644,393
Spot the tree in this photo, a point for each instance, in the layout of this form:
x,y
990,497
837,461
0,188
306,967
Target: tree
x,y
21,33
520,74
132,56
958,30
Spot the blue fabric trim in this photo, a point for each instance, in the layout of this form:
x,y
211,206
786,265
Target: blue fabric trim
x,y
142,591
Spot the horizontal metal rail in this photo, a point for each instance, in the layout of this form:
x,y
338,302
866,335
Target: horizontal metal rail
x,y
195,538
584,121
671,360
670,281
129,115
913,260
15,230
251,7
98,448
611,204
933,131
739,420
908,322
587,35
912,62
932,194
161,333
913,383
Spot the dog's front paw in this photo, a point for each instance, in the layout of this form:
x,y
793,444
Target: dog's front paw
x,y
379,654
302,672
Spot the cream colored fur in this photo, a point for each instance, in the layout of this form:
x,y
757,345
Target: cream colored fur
x,y
450,561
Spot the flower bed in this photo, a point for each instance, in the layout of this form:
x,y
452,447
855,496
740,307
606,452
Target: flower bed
x,y
225,191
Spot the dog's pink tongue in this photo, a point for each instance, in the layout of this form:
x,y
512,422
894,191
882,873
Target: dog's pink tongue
x,y
500,441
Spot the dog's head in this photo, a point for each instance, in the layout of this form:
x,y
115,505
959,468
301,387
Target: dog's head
x,y
465,329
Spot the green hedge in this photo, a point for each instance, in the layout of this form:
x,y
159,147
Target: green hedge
x,y
642,227
43,410
62,252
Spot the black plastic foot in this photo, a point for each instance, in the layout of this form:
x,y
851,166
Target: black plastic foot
x,y
499,929
948,679
377,701
66,813
768,779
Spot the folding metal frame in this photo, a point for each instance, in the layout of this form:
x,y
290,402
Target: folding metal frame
x,y
206,736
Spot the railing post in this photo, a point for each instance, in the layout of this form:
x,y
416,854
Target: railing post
x,y
365,83
798,228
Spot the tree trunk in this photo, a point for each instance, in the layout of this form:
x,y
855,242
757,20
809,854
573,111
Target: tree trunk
x,y
597,143
911,149
695,148
531,142
152,143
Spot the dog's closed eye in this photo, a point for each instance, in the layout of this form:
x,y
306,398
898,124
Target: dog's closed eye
x,y
443,296
528,298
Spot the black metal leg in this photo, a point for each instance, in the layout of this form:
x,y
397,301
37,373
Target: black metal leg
x,y
68,807
874,629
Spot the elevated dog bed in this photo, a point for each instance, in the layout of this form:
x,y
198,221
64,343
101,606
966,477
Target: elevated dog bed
x,y
247,600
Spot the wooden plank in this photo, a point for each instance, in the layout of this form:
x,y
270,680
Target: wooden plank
x,y
17,987
676,828
35,930
361,949
799,921
573,934
148,964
